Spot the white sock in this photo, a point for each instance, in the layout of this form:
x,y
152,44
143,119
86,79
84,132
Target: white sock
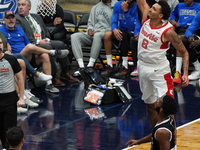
x,y
52,52
91,62
26,94
80,62
178,64
180,97
49,82
109,60
125,62
196,65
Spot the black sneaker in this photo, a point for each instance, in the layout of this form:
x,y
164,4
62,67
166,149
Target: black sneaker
x,y
123,72
107,72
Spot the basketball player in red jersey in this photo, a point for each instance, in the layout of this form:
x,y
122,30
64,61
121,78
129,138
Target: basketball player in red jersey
x,y
153,67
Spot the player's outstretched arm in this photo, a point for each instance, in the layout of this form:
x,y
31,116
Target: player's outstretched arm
x,y
144,8
172,37
136,142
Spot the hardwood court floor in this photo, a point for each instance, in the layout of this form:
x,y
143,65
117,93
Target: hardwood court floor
x,y
65,122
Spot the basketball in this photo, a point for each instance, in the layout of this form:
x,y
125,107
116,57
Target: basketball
x,y
197,86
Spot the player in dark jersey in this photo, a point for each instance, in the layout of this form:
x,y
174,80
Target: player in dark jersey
x,y
9,100
163,134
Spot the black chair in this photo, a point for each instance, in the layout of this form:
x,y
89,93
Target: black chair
x,y
82,23
70,20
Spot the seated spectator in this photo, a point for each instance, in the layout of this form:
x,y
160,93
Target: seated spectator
x,y
37,33
98,23
192,43
27,68
9,100
53,17
122,27
15,138
185,13
20,44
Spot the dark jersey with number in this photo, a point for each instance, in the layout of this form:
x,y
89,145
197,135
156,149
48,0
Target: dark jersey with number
x,y
168,125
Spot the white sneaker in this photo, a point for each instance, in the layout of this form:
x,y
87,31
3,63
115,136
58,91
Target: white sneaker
x,y
194,75
60,53
76,73
32,97
21,110
44,77
30,103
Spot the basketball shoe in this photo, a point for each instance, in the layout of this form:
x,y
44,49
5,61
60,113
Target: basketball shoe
x,y
108,71
194,75
177,77
123,72
134,73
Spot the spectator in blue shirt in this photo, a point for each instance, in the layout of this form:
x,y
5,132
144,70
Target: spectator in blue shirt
x,y
185,13
124,25
20,44
192,41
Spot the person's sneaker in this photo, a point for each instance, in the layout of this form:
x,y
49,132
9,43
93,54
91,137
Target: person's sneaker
x,y
177,77
134,73
44,77
32,97
76,73
108,71
60,53
194,75
30,103
51,88
21,110
122,73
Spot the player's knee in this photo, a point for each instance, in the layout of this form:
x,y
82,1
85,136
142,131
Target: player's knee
x,y
107,35
29,46
74,37
44,57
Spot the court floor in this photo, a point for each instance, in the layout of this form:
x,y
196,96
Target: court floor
x,y
65,122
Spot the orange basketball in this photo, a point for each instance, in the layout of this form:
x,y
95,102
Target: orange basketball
x,y
197,86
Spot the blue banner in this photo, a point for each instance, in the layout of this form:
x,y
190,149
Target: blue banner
x,y
7,5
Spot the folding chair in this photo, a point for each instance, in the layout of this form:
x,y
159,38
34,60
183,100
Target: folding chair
x,y
82,22
70,20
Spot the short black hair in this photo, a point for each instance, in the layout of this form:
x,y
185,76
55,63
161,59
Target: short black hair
x,y
165,9
169,105
14,136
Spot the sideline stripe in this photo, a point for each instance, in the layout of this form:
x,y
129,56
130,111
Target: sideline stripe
x,y
188,123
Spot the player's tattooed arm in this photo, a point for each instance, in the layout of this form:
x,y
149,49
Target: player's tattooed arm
x,y
172,37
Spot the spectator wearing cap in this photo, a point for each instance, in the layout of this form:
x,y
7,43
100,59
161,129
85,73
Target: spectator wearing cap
x,y
35,55
37,33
